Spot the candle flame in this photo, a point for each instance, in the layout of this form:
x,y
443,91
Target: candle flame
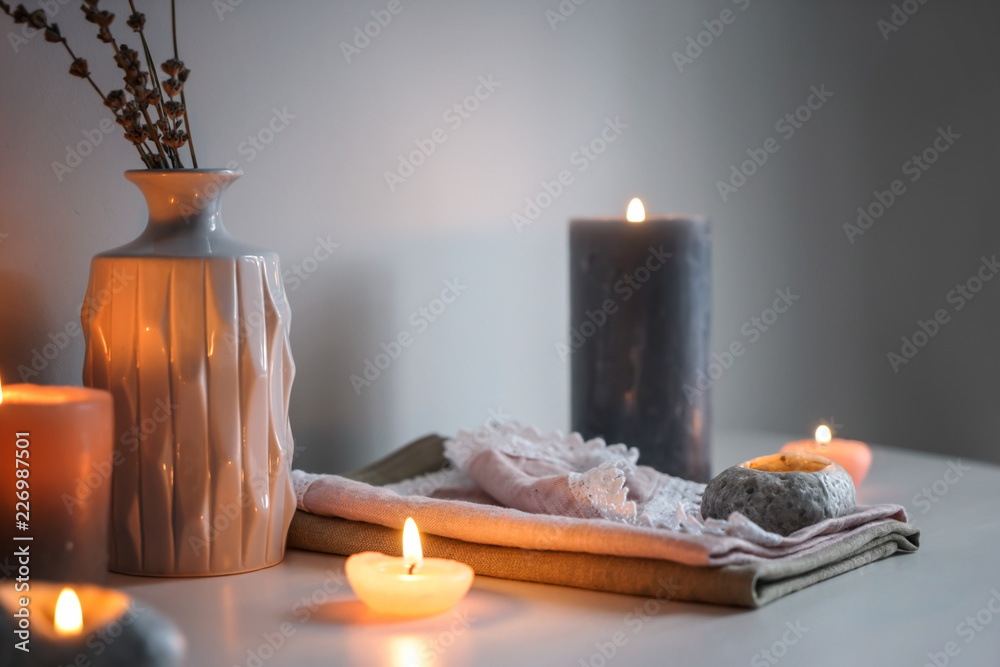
x,y
636,212
1,392
413,553
69,615
823,434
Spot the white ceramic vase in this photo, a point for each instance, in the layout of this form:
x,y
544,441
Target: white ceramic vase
x,y
188,329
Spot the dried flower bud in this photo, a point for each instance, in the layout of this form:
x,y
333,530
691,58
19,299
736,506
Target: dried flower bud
x,y
150,132
172,67
129,116
172,87
79,68
135,134
163,125
173,109
126,57
104,18
154,98
137,79
20,14
182,76
104,35
37,19
174,138
115,100
137,21
52,34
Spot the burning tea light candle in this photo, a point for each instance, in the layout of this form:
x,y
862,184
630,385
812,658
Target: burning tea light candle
x,y
852,455
56,461
83,625
411,585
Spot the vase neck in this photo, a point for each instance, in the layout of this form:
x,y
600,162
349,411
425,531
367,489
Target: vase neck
x,y
185,198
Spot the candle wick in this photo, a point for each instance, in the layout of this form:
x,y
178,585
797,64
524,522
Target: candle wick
x,y
413,566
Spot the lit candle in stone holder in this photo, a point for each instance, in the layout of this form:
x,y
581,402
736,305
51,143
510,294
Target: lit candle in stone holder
x,y
47,624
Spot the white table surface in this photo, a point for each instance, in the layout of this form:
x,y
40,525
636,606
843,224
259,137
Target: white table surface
x,y
894,612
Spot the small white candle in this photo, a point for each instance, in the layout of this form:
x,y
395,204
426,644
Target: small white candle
x,y
411,585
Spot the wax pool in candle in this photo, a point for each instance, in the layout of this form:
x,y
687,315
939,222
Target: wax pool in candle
x,y
411,585
55,455
639,336
852,455
83,625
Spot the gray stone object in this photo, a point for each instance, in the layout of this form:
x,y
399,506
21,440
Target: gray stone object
x,y
141,637
781,493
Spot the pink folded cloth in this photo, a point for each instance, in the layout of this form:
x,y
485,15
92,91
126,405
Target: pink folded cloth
x,y
515,486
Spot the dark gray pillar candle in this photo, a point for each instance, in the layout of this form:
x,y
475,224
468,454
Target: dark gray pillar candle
x,y
639,336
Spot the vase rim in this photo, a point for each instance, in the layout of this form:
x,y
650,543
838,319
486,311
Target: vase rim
x,y
234,172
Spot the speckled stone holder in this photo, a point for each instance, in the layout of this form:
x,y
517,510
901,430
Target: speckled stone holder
x,y
781,493
117,631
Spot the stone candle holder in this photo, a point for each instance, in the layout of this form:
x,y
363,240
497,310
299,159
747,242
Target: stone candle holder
x,y
116,632
781,493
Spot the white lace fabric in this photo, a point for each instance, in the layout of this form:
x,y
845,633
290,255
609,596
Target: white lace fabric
x,y
301,481
603,481
583,478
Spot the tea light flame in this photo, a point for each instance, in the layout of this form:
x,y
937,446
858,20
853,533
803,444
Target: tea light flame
x,y
69,615
635,212
1,392
823,434
413,553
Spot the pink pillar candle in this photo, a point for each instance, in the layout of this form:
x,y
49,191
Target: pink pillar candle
x,y
853,455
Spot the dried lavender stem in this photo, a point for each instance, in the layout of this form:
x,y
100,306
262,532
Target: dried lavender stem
x,y
93,85
174,155
89,80
187,123
145,114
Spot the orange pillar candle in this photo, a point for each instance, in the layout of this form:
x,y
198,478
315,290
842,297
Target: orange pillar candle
x,y
55,469
852,455
411,585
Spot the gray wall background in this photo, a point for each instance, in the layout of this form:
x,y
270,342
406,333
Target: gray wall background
x,y
492,352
